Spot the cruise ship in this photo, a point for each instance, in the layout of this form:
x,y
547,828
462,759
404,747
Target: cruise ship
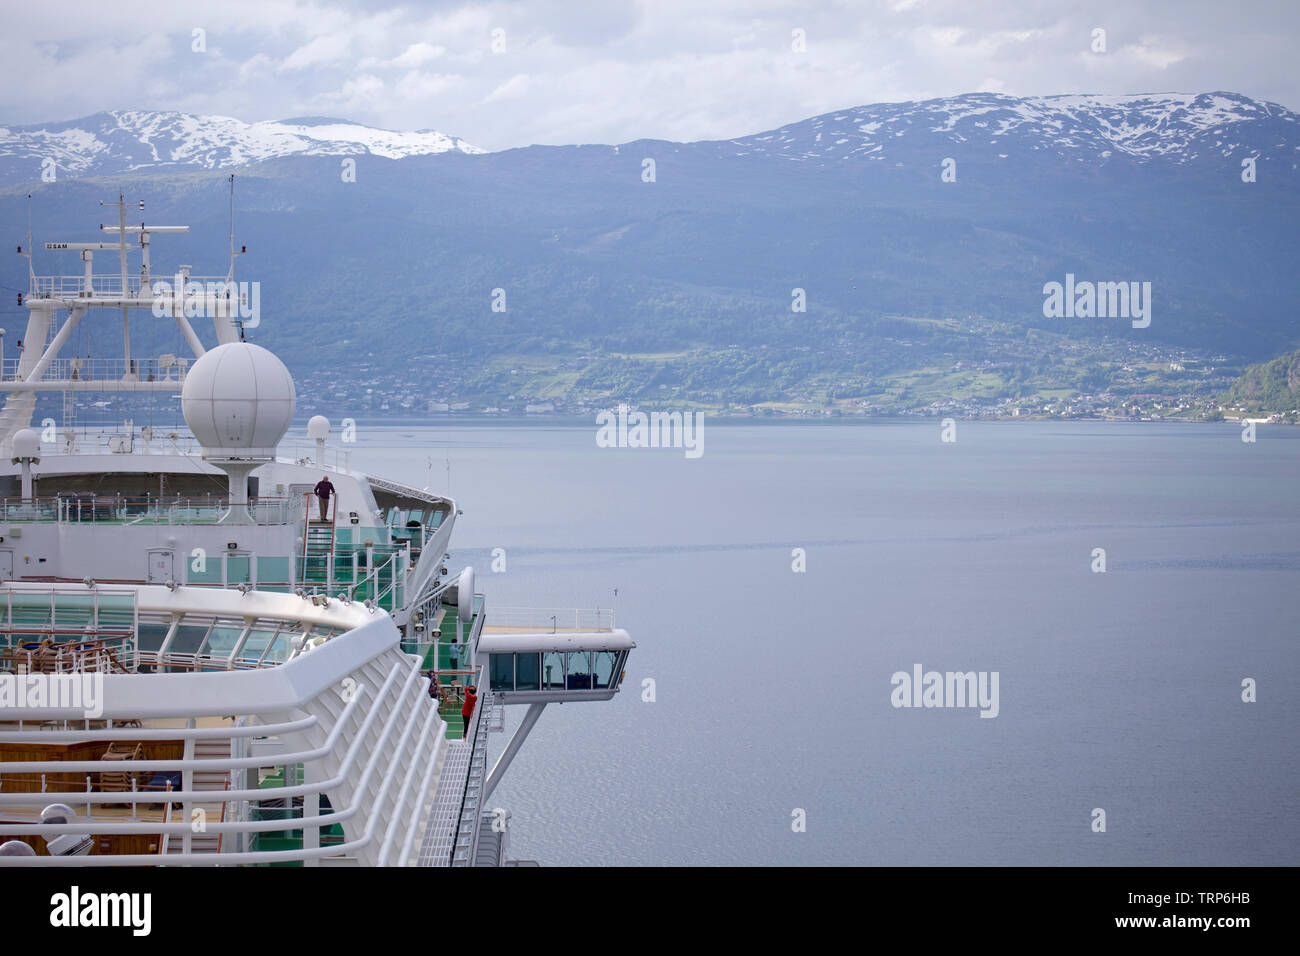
x,y
218,649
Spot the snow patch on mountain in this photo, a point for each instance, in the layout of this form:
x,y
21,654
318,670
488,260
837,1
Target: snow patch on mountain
x,y
130,140
1174,125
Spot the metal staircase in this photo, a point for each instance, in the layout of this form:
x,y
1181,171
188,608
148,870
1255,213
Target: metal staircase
x,y
494,714
468,830
214,811
455,828
318,544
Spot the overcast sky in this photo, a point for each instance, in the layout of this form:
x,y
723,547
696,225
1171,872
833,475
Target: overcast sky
x,y
584,71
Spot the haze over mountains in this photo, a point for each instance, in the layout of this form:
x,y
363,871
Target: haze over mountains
x,y
685,283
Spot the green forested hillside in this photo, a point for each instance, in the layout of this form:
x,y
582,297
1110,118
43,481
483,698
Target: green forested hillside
x,y
1272,387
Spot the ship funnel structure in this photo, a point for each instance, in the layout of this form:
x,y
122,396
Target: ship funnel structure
x,y
239,400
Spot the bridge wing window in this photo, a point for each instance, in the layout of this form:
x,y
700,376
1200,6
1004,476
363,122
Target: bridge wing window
x,y
553,670
527,672
605,670
579,670
502,671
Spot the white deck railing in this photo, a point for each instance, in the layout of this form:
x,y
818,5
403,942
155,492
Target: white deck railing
x,y
375,754
560,619
108,286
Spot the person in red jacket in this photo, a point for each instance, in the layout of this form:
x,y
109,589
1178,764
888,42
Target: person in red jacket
x,y
467,708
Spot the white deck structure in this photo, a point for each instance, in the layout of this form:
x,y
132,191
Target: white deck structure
x,y
260,675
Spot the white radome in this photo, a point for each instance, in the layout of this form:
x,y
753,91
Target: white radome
x,y
318,428
26,444
239,400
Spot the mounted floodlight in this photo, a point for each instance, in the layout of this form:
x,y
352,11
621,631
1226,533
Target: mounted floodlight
x,y
57,816
465,595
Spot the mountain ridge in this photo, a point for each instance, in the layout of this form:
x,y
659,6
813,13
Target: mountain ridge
x,y
114,142
1178,127
912,287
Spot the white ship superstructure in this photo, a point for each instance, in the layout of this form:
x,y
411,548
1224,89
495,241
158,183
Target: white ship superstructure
x,y
197,665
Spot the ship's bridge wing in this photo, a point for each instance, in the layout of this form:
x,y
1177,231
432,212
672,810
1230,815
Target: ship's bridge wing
x,y
407,504
542,667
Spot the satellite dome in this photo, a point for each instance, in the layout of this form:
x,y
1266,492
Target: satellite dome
x,y
26,444
238,399
318,427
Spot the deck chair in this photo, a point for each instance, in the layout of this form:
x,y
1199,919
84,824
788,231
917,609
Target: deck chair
x,y
119,781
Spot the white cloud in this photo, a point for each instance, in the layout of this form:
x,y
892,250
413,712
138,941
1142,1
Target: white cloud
x,y
329,48
417,86
418,53
513,88
1151,51
600,71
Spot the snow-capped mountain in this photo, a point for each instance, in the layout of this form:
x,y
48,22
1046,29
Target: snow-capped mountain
x,y
1176,126
1049,131
121,141
1125,189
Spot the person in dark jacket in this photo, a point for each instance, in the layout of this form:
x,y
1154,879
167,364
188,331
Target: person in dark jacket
x,y
467,708
323,491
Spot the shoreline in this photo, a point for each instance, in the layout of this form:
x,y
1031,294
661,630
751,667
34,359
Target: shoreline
x,y
571,421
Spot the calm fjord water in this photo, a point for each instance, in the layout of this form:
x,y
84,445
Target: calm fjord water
x,y
1119,690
